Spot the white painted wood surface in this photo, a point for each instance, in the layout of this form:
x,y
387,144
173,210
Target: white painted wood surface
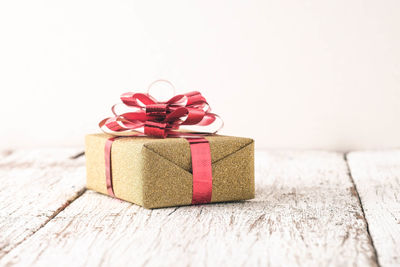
x,y
377,178
306,212
34,187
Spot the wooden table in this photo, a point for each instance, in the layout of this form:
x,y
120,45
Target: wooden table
x,y
312,208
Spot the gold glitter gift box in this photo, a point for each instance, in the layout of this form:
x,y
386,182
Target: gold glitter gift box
x,y
155,173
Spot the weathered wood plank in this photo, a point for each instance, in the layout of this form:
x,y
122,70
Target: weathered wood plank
x,y
377,178
305,213
34,186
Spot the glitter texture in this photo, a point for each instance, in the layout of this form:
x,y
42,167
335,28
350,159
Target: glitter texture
x,y
156,173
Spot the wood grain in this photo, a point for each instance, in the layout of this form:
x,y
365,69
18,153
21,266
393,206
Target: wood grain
x,y
306,212
34,186
377,178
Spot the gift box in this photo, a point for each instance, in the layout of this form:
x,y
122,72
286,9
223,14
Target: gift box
x,y
158,172
153,155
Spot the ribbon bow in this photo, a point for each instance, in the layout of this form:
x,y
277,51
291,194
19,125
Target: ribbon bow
x,y
160,119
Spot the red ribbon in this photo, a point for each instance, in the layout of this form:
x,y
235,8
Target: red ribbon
x,y
107,154
202,172
162,119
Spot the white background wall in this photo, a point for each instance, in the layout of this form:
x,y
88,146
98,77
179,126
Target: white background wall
x,y
291,74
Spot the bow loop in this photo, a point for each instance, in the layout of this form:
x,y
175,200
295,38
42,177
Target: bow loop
x,y
161,119
178,100
137,99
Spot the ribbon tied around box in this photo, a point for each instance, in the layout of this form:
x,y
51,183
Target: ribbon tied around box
x,y
179,116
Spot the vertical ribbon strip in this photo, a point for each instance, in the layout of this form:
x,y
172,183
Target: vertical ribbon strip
x,y
107,155
201,169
